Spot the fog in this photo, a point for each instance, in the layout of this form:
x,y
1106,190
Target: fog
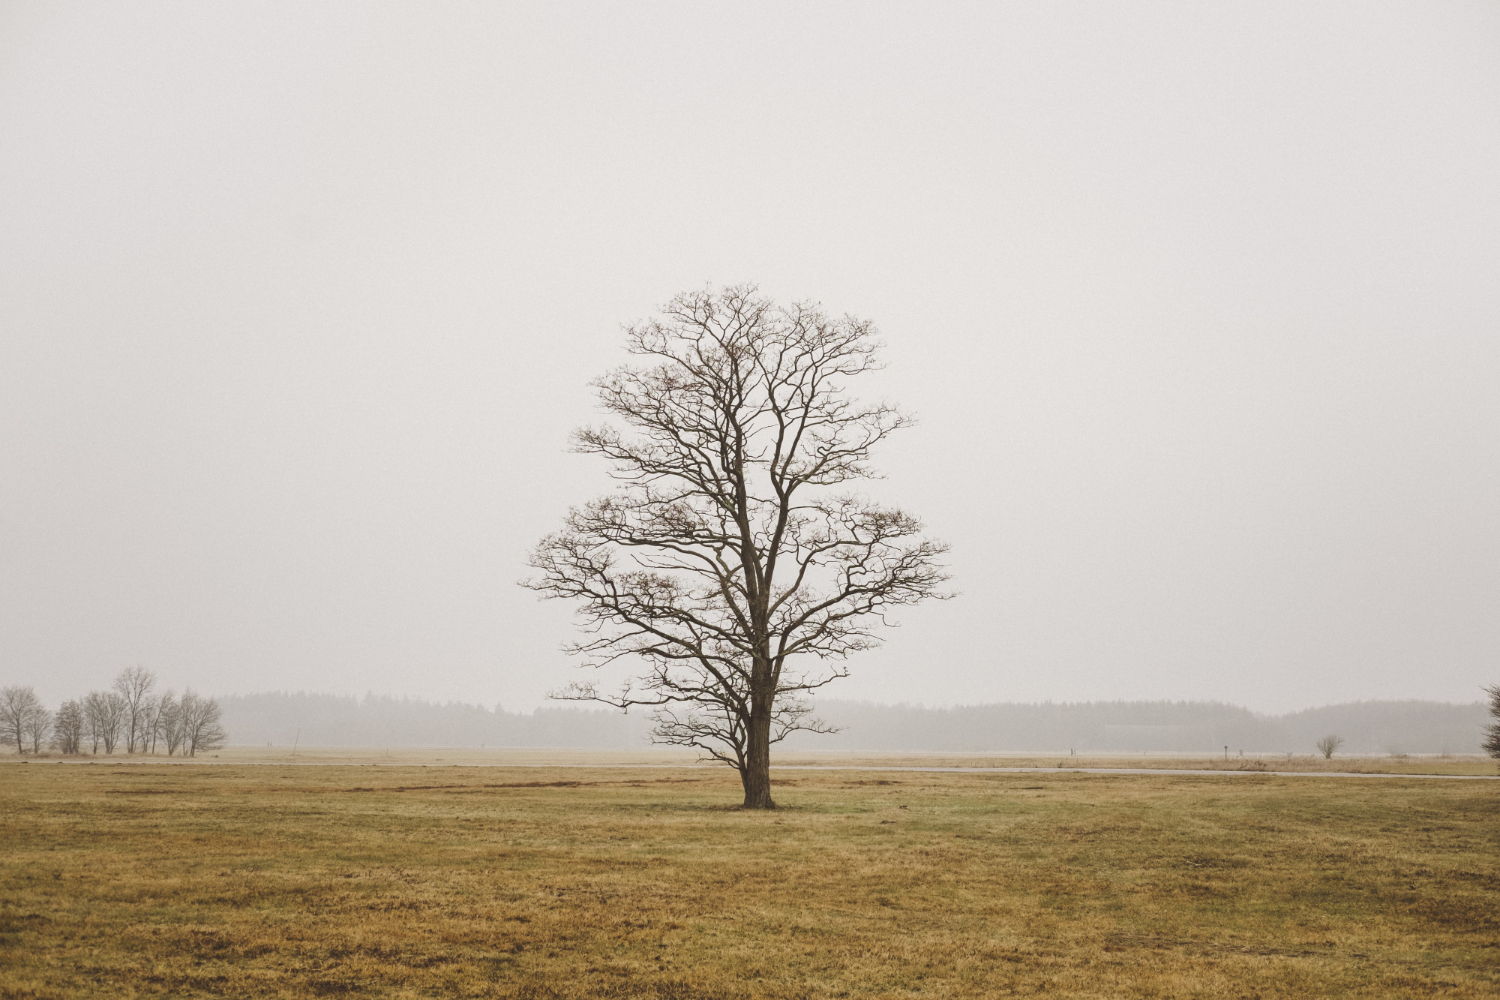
x,y
1197,305
1209,728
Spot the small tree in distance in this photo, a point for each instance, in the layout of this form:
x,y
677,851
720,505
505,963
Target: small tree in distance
x,y
134,688
104,714
201,728
151,715
68,728
169,722
1328,744
730,559
23,719
38,726
1491,744
16,704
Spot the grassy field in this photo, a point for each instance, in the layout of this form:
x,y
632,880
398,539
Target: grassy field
x,y
143,879
1460,764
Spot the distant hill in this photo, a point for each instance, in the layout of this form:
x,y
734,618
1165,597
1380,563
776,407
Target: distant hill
x,y
1369,727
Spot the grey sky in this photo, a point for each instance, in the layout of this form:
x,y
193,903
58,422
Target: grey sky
x,y
1199,305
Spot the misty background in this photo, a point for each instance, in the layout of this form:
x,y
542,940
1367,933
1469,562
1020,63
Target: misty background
x,y
1197,304
1375,727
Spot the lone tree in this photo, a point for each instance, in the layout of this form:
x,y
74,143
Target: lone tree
x,y
731,558
1328,745
1491,742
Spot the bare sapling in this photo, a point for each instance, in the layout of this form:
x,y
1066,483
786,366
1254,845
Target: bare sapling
x,y
1328,745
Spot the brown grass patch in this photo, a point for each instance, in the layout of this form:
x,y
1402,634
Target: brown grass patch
x,y
277,882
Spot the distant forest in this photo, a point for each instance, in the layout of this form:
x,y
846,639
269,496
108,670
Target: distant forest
x,y
1368,727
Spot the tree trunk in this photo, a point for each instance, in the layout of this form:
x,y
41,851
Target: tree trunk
x,y
756,775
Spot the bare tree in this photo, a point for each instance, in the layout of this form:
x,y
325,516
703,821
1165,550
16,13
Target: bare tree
x,y
1328,745
201,727
134,685
68,728
104,711
115,712
728,558
95,717
38,727
169,722
20,712
1491,744
151,721
13,716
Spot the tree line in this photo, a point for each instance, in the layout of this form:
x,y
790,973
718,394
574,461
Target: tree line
x,y
131,716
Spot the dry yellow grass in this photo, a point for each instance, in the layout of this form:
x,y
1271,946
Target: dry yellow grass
x,y
406,881
1459,764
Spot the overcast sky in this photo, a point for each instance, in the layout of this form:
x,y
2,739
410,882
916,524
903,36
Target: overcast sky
x,y
1198,305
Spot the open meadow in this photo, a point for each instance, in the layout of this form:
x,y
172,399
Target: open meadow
x,y
1469,765
149,879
